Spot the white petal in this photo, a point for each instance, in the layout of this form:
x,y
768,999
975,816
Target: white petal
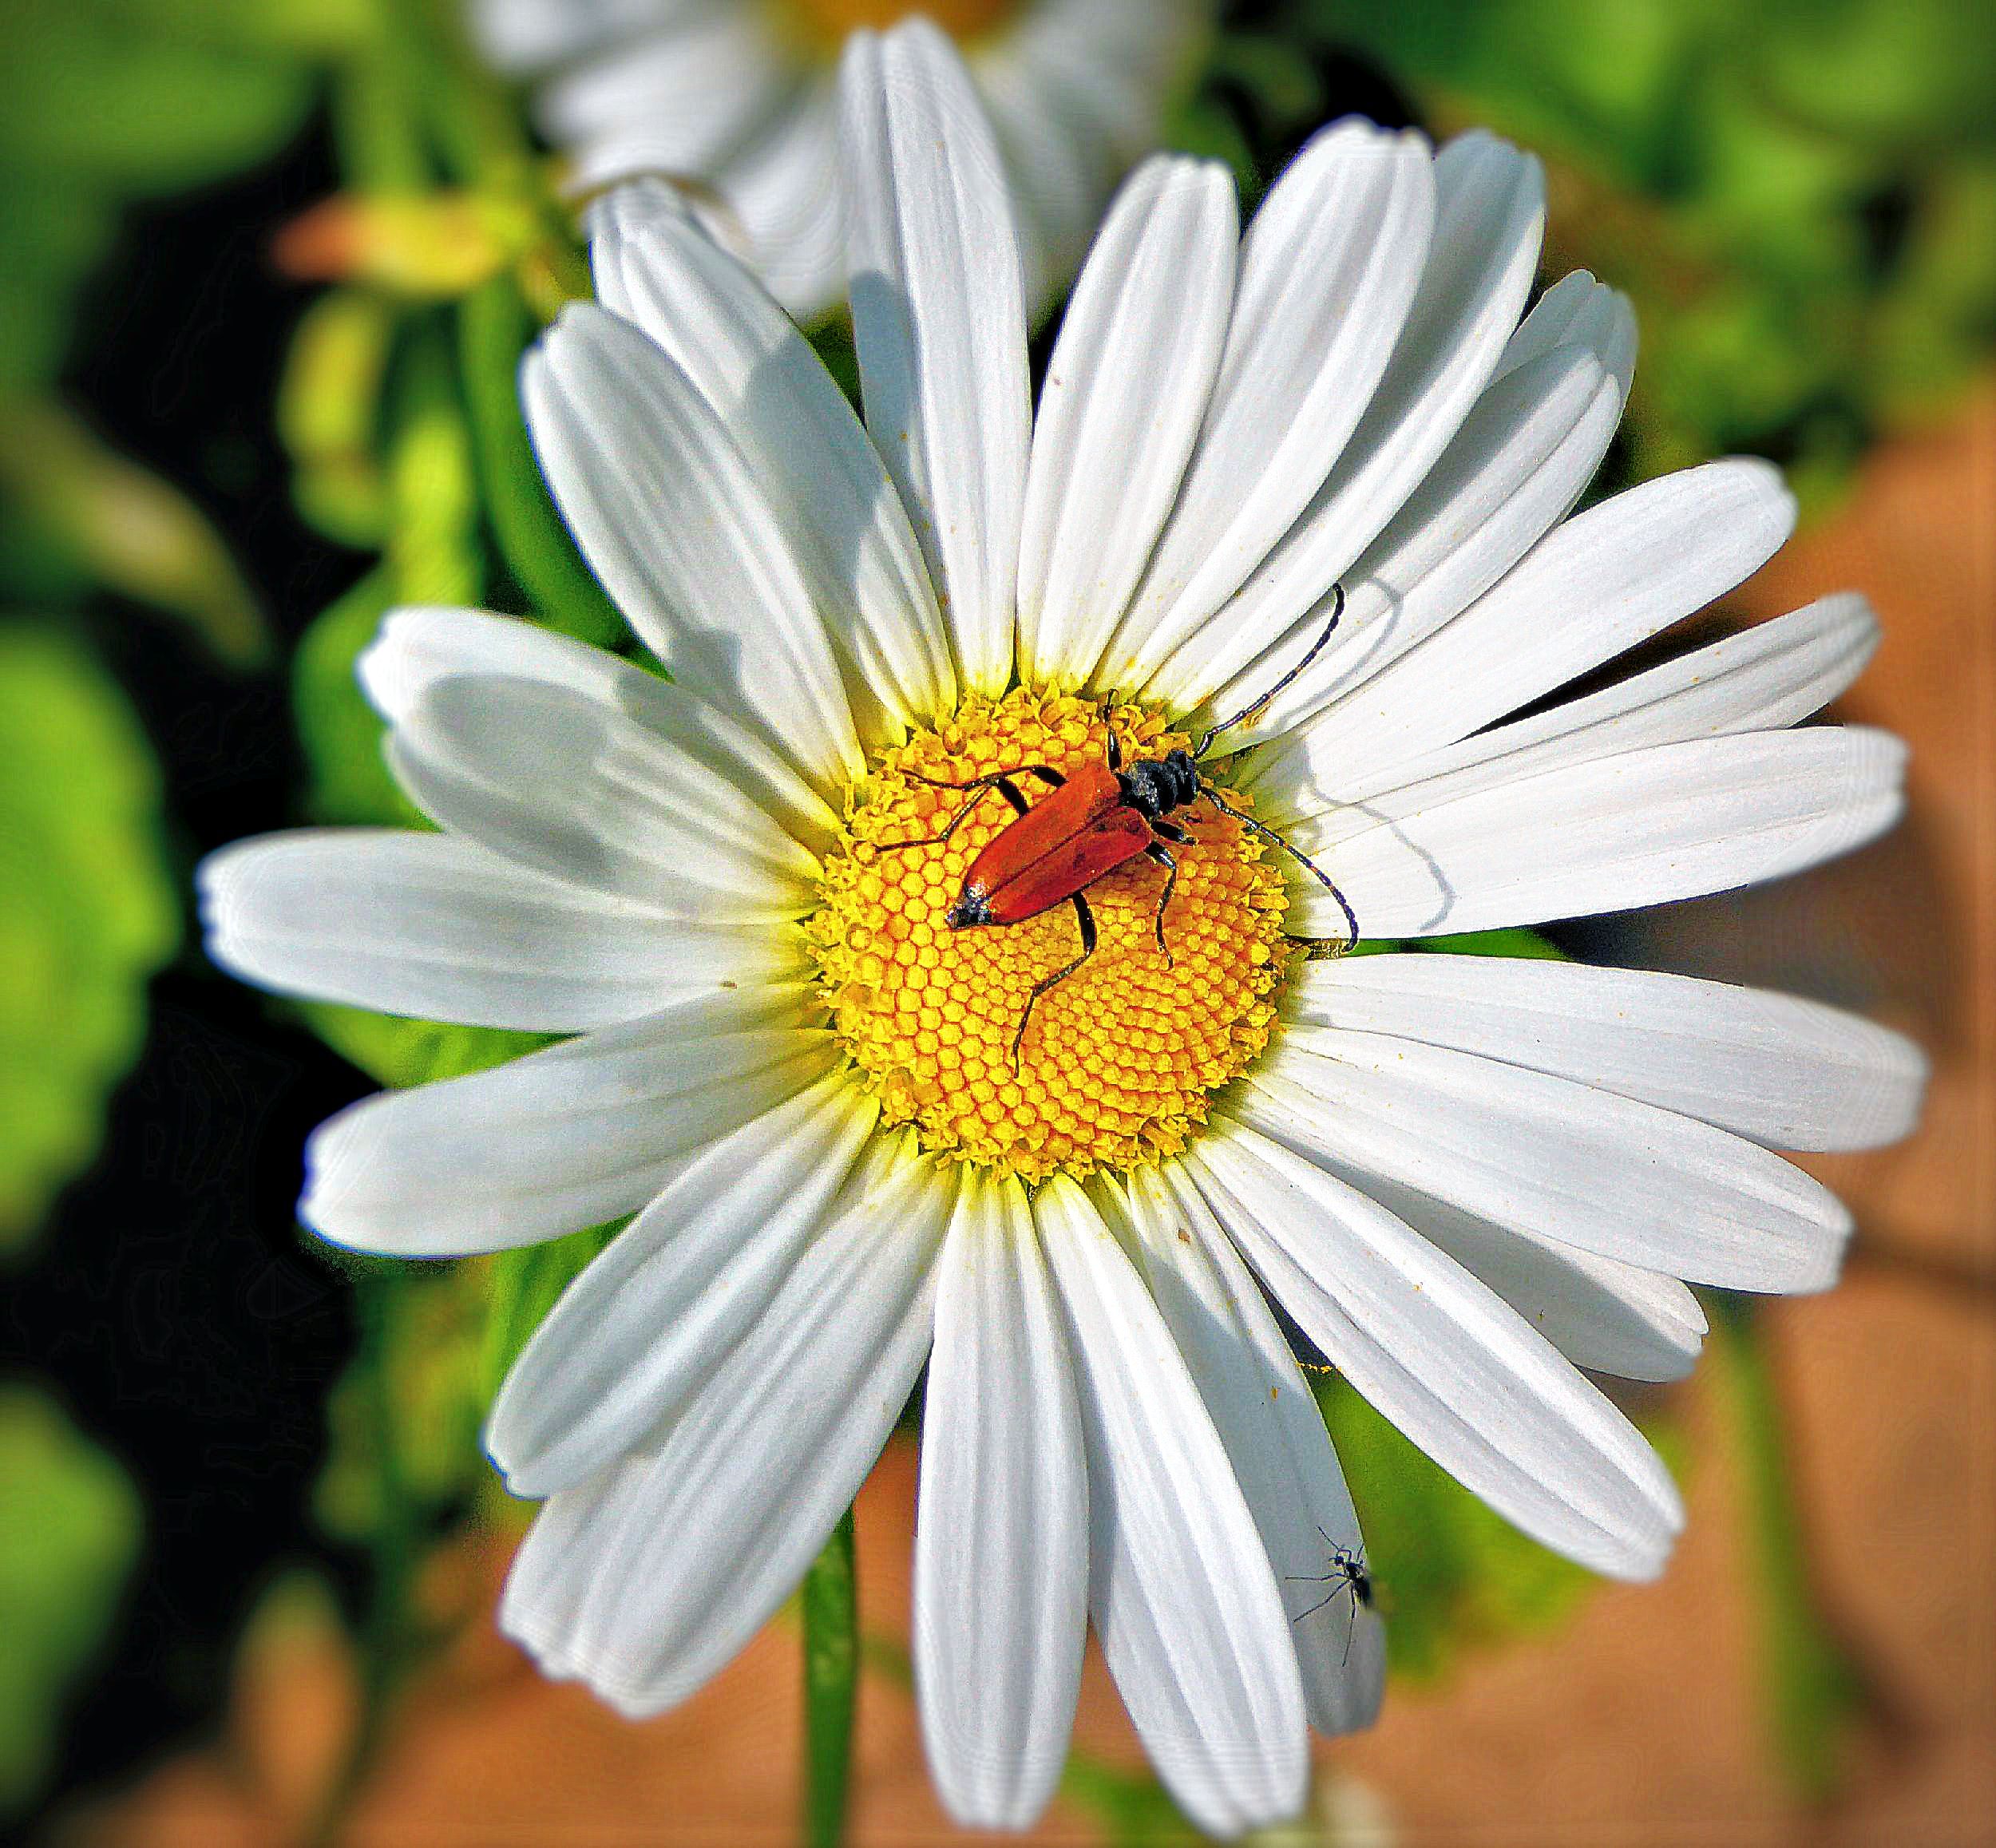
x,y
939,321
645,1325
437,928
669,514
1077,93
520,35
561,1139
680,102
1124,394
1060,171
1577,311
1764,678
1267,1419
1790,1073
1593,587
823,479
419,647
653,1575
1182,1595
1456,1369
1550,1159
1001,1532
1490,210
559,782
1523,455
1328,270
1642,827
780,210
1603,1314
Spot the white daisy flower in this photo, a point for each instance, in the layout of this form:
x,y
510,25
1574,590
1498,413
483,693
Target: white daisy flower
x,y
1465,1179
739,101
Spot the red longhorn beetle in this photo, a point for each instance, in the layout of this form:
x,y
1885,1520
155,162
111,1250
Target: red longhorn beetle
x,y
1094,821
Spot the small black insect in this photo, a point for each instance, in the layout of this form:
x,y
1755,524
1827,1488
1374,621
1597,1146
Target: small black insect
x,y
1348,1572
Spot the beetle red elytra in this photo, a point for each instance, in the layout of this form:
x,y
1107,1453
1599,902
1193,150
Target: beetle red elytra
x,y
1092,822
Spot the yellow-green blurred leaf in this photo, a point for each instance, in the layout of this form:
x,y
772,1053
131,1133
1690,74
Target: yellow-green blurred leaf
x,y
86,912
329,411
433,543
398,1052
519,1287
427,247
347,780
69,1531
415,1386
128,530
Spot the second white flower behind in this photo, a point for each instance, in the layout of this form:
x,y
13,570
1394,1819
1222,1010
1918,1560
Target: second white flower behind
x,y
737,101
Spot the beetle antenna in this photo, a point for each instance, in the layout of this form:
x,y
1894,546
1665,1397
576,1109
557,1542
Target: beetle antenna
x,y
1323,878
1248,712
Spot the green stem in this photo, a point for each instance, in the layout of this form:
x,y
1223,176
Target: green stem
x,y
493,328
1812,1688
831,1681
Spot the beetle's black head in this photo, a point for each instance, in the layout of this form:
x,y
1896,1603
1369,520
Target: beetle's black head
x,y
972,909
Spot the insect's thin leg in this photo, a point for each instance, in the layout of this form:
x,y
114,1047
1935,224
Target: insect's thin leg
x,y
1316,648
1162,856
1114,749
1087,921
1323,878
1173,832
1319,1605
1351,1630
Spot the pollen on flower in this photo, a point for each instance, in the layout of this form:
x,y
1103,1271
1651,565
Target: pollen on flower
x,y
1120,1061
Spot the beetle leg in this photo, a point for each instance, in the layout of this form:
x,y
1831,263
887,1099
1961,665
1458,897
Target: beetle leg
x,y
1114,750
1173,832
1087,920
999,780
1162,856
1046,773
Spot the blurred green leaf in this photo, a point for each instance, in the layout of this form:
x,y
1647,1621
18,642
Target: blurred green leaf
x,y
329,412
433,548
1134,1810
128,530
86,912
346,779
519,1287
144,96
1789,193
494,328
70,1525
399,1053
404,1418
54,226
1450,1573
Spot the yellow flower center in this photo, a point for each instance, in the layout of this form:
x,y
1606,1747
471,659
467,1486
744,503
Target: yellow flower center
x,y
824,25
1119,1060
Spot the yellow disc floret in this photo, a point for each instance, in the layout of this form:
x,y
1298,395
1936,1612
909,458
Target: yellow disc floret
x,y
1120,1060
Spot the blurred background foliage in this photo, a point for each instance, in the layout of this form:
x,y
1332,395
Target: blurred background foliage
x,y
1801,196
